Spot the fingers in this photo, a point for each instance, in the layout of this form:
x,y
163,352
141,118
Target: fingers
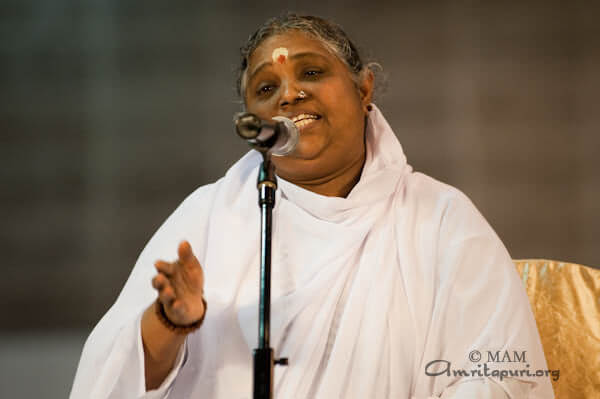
x,y
184,251
179,279
185,254
166,294
165,267
159,281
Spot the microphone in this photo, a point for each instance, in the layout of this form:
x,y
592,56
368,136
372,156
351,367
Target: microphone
x,y
278,136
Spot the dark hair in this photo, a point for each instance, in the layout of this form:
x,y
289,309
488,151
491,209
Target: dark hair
x,y
328,33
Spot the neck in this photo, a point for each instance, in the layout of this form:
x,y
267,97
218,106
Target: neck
x,y
337,184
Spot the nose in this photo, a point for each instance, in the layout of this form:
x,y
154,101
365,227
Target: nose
x,y
291,94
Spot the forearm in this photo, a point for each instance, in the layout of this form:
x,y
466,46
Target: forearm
x,y
161,347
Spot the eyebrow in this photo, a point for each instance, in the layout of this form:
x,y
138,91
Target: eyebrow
x,y
292,57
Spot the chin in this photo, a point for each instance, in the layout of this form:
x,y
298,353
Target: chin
x,y
309,148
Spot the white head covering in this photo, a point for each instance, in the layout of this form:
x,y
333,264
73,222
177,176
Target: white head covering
x,y
366,290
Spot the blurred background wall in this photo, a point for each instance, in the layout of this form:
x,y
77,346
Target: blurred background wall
x,y
113,111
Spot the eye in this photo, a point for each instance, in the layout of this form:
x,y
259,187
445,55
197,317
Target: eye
x,y
263,90
312,73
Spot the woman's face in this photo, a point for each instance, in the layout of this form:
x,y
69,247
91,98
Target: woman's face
x,y
333,106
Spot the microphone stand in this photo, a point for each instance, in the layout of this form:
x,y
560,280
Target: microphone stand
x,y
263,355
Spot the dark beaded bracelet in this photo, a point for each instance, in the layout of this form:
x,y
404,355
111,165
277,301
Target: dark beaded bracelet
x,y
183,330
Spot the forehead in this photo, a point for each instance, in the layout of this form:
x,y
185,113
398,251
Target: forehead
x,y
293,41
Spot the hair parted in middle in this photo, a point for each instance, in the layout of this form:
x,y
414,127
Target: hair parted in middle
x,y
330,34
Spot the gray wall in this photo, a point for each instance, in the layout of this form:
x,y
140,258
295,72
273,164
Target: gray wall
x,y
113,111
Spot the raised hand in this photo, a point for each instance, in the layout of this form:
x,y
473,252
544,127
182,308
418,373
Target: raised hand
x,y
180,286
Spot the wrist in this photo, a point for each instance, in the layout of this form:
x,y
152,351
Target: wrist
x,y
174,327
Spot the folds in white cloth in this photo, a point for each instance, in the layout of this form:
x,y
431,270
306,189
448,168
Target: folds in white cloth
x,y
426,278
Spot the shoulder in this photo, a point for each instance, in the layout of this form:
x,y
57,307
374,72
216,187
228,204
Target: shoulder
x,y
441,218
427,200
447,203
429,192
237,177
191,219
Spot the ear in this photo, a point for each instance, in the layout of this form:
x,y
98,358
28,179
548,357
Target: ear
x,y
366,90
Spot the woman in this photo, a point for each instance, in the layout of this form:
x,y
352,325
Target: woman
x,y
381,276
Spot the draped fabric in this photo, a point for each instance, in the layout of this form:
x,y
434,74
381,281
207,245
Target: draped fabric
x,y
366,292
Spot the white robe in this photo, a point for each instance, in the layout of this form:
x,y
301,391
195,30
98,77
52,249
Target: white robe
x,y
366,291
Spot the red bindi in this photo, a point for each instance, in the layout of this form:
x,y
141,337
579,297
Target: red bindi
x,y
279,55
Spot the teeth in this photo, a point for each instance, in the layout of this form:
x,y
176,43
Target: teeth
x,y
301,117
305,122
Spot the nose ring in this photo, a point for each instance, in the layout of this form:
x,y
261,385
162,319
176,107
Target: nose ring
x,y
301,94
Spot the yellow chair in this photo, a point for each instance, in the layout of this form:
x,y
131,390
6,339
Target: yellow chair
x,y
565,298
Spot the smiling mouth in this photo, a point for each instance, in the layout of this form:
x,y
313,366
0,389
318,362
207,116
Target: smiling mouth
x,y
304,120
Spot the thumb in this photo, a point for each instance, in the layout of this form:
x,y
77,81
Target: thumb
x,y
184,251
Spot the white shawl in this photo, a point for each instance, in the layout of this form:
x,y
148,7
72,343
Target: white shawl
x,y
424,278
